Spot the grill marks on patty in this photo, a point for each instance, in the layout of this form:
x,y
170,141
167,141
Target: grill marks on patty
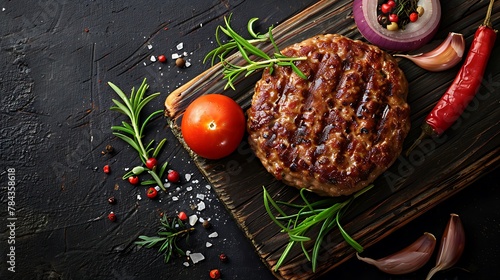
x,y
337,130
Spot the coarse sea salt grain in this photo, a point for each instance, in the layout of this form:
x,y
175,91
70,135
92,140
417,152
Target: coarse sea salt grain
x,y
189,188
152,58
193,219
150,46
180,46
196,257
208,244
175,56
201,206
200,196
208,187
186,264
213,235
187,64
187,176
175,198
139,197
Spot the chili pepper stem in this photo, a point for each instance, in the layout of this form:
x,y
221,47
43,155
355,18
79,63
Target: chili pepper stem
x,y
427,131
487,19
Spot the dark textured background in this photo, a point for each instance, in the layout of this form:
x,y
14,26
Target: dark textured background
x,y
56,58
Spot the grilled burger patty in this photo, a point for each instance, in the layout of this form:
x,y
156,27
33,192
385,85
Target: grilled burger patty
x,y
335,132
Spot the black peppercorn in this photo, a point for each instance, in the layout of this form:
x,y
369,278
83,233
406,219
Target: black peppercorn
x,y
207,224
180,62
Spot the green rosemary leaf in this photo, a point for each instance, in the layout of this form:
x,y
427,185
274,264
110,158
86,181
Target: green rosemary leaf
x,y
283,256
124,109
251,31
158,148
141,91
148,183
121,95
165,245
308,216
162,169
146,121
298,71
129,140
123,129
299,238
347,237
143,103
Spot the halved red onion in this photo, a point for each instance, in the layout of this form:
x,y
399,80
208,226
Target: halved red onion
x,y
415,34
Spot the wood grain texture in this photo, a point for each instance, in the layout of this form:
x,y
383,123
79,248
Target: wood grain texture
x,y
436,170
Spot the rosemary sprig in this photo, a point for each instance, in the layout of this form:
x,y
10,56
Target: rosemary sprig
x,y
133,132
249,52
324,213
171,229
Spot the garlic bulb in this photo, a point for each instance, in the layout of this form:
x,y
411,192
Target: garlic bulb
x,y
407,260
448,54
452,245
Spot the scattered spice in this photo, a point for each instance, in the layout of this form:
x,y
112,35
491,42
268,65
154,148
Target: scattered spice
x,y
151,163
112,200
215,274
112,216
206,224
152,192
173,176
180,62
223,257
162,58
109,148
182,216
106,169
134,180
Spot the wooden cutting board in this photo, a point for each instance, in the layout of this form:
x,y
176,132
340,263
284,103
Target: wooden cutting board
x,y
436,170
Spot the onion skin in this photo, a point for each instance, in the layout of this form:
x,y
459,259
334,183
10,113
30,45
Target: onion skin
x,y
407,260
413,37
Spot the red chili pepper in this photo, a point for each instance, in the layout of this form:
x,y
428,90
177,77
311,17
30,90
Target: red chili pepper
x,y
466,83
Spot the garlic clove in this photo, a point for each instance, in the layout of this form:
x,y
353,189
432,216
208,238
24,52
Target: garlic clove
x,y
448,54
408,259
452,245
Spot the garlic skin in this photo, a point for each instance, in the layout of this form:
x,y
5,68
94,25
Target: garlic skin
x,y
452,245
408,259
448,54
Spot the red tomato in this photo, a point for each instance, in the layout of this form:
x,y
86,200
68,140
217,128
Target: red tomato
x,y
213,126
413,16
393,18
385,8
